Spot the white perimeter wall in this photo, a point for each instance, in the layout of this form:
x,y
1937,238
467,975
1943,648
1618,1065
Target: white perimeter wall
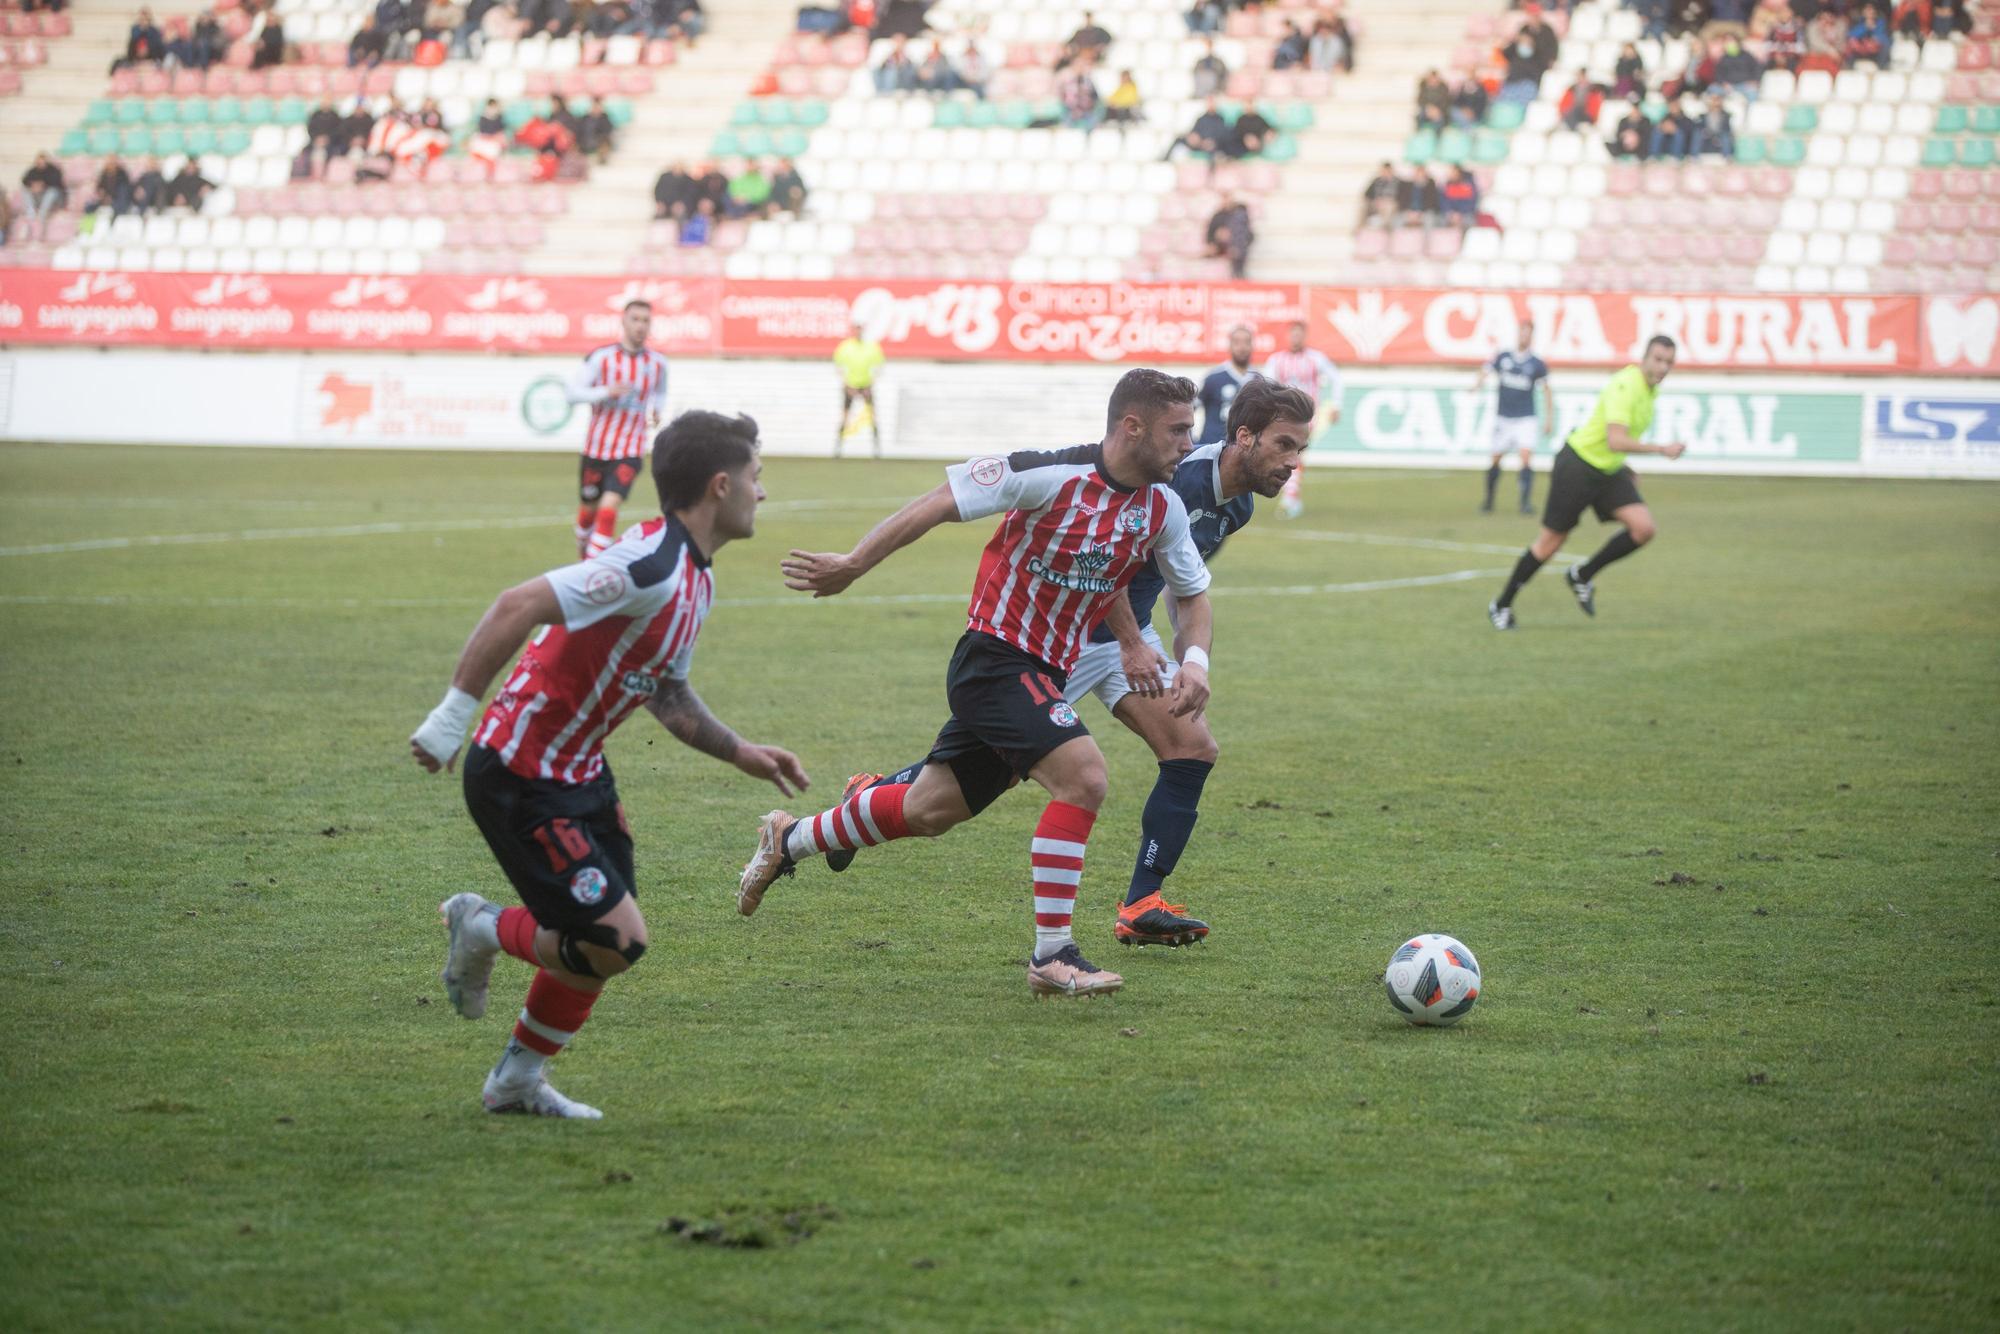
x,y
1801,425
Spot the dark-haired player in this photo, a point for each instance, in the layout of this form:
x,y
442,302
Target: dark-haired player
x,y
625,384
618,633
1220,386
1078,525
1514,426
1590,473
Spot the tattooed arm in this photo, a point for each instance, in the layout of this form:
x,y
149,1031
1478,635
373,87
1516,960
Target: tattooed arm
x,y
682,713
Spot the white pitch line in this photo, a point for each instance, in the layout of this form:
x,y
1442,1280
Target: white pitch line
x,y
1391,540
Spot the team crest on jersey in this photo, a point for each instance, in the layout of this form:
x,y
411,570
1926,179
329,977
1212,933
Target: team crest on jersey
x,y
1133,521
638,683
587,886
989,470
1061,714
605,586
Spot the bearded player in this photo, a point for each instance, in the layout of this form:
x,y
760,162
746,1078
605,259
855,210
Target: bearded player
x,y
625,384
1125,666
617,633
1079,524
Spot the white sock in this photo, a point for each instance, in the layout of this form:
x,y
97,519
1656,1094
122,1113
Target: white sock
x,y
519,1065
1049,939
798,841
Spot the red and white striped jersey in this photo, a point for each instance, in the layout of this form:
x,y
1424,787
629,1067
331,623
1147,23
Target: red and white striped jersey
x,y
1071,541
630,617
618,420
1309,370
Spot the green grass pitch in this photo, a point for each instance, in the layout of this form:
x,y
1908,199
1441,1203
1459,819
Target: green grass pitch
x,y
1729,854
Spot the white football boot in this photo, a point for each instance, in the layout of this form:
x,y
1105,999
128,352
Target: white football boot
x,y
536,1099
468,961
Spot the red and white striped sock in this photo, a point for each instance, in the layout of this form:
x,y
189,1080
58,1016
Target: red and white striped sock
x,y
552,1016
873,815
604,531
1057,858
517,929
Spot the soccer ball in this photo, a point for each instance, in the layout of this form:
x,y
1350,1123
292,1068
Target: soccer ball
x,y
1432,980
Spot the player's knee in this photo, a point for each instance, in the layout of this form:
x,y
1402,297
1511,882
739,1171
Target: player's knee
x,y
1642,531
927,820
1084,784
601,951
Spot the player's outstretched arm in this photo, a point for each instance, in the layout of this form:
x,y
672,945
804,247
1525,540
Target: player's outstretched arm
x,y
1194,628
495,641
825,573
1620,439
1139,660
682,713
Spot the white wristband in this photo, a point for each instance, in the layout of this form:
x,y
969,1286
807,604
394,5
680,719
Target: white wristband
x,y
1196,656
444,731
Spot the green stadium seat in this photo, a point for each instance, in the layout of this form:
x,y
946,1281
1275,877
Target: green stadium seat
x,y
169,141
225,111
232,143
1940,153
198,139
579,106
258,111
1291,116
1654,108
774,112
1752,150
790,143
1046,109
1788,151
103,140
1489,149
1454,146
813,114
724,145
743,116
75,143
130,111
1986,120
620,111
163,111
518,113
194,111
1952,119
1015,115
1801,119
135,141
1505,117
1280,148
982,115
1975,152
950,115
753,143
100,112
292,111
1421,147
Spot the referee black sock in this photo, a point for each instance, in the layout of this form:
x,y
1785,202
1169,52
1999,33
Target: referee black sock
x,y
1492,482
1524,570
1617,548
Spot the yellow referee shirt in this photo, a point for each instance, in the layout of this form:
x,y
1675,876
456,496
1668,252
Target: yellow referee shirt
x,y
1627,400
858,360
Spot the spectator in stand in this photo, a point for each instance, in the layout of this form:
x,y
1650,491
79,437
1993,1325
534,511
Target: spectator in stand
x,y
712,185
1332,46
1685,17
609,18
1122,107
1291,49
1205,136
594,131
267,39
861,15
554,17
935,74
1766,17
355,129
897,73
1537,30
442,20
1826,43
1580,103
1077,91
1248,136
674,192
144,43
430,115
113,189
1673,134
368,47
1206,18
1726,18
680,20
1868,38
1433,101
1652,17
1460,199
6,218
1628,77
179,50
974,71
1229,234
1210,74
749,192
1524,67
323,126
788,188
698,228
1422,202
1715,132
149,191
207,42
1922,19
1785,43
1088,40
45,193
1632,137
188,189
1469,102
488,141
1738,71
552,135
1381,198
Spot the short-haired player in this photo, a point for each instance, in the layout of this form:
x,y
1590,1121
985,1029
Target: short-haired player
x,y
625,384
611,635
1515,429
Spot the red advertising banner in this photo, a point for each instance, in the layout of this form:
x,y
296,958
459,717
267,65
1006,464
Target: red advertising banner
x,y
981,321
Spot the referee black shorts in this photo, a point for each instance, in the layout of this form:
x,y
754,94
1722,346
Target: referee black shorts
x,y
1575,486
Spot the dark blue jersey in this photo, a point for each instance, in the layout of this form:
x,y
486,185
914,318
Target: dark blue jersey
x,y
1519,373
1198,482
1218,391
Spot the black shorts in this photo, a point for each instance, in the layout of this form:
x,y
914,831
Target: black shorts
x,y
1007,712
1575,486
848,393
565,846
597,476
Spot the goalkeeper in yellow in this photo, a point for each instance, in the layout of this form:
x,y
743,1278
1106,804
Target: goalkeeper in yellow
x,y
1591,473
859,360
